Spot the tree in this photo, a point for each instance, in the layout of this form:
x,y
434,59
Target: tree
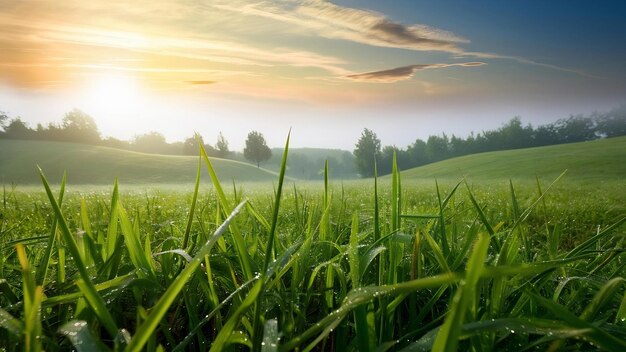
x,y
151,142
222,146
575,129
80,127
191,146
366,152
256,149
3,118
17,129
613,123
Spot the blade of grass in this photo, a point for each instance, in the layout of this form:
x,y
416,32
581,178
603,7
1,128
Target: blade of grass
x,y
11,324
193,205
269,247
448,336
42,270
81,338
240,245
364,295
73,247
271,336
588,331
221,340
33,296
162,306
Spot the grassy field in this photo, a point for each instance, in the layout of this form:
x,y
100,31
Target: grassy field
x,y
594,161
399,264
86,164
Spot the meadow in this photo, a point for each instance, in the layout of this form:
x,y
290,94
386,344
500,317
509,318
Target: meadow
x,y
499,261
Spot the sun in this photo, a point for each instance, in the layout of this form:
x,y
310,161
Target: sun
x,y
113,93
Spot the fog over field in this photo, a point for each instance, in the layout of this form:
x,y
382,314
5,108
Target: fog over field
x,y
312,175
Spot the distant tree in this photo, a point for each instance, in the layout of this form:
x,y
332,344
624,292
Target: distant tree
x,y
417,153
3,119
437,148
191,146
514,135
151,142
575,129
17,129
366,152
222,146
256,149
612,123
80,127
115,143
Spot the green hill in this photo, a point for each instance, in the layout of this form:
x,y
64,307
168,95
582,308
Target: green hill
x,y
87,164
603,159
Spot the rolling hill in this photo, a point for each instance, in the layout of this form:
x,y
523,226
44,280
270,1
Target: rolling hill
x,y
603,159
87,164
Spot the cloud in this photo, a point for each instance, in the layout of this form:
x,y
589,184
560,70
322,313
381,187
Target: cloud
x,y
372,28
43,44
323,18
201,82
403,73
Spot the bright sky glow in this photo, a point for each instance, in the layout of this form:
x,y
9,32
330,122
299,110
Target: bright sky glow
x,y
327,69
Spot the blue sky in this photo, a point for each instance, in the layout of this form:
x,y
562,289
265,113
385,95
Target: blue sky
x,y
405,69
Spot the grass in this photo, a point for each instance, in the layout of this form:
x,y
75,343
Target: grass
x,y
386,264
595,161
86,164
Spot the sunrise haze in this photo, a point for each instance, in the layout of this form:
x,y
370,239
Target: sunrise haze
x,y
405,69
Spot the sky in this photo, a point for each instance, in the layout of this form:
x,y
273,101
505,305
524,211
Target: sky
x,y
406,69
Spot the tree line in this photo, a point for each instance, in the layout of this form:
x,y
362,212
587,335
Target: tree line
x,y
78,127
512,135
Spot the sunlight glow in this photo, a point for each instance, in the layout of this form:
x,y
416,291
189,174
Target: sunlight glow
x,y
112,94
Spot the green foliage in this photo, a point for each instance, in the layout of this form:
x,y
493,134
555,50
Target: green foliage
x,y
366,152
256,149
221,147
511,135
383,264
80,127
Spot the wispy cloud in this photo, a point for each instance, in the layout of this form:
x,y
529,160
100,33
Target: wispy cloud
x,y
403,73
77,41
201,82
323,18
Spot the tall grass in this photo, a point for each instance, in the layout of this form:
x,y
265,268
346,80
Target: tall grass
x,y
382,267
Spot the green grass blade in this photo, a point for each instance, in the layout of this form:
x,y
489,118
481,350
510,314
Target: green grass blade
x,y
587,331
364,295
42,270
192,208
12,325
137,255
97,305
162,306
483,217
240,245
271,336
81,338
604,296
395,195
112,228
269,247
448,336
221,340
272,234
594,239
